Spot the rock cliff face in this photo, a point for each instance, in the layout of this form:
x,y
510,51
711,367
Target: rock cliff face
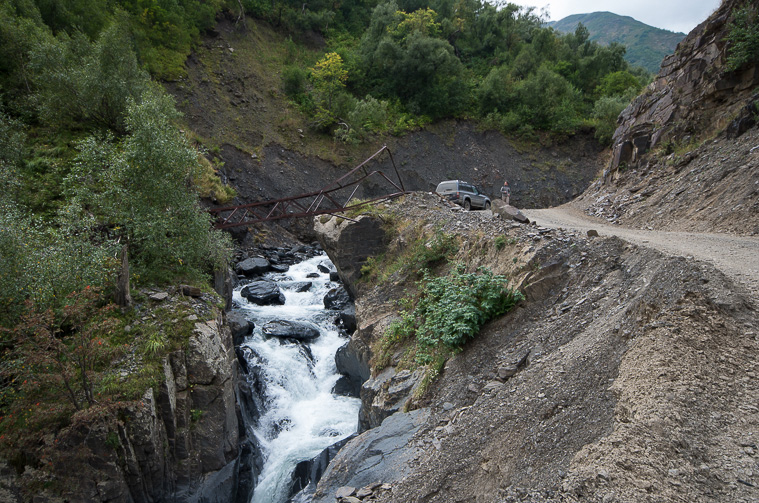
x,y
179,443
692,98
683,155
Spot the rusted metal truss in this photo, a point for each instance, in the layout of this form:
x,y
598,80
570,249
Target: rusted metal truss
x,y
335,198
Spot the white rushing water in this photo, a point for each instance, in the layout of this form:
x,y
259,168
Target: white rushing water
x,y
302,417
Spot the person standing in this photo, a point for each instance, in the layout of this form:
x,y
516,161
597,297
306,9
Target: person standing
x,y
505,192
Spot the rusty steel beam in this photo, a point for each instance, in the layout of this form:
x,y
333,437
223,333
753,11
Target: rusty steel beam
x,y
295,206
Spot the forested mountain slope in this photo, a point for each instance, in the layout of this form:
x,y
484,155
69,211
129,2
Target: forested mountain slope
x,y
646,45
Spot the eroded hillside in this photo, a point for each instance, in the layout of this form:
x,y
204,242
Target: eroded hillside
x,y
234,105
638,383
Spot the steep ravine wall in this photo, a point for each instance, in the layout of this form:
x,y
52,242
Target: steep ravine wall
x,y
182,442
694,96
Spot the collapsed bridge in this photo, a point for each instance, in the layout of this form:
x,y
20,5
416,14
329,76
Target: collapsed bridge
x,y
337,197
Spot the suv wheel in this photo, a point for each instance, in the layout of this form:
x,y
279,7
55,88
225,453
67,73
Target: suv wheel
x,y
487,205
467,204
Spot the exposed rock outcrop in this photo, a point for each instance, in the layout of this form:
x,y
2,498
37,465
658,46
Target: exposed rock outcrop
x,y
349,244
180,442
379,455
692,97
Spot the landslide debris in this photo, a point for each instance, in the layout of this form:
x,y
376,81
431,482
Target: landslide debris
x,y
626,375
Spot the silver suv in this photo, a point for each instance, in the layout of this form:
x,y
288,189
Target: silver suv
x,y
464,194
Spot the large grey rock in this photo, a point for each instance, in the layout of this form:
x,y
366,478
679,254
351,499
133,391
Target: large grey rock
x,y
263,293
509,212
382,454
239,325
349,244
287,329
253,266
386,394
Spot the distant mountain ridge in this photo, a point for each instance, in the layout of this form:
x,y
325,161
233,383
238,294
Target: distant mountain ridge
x,y
646,45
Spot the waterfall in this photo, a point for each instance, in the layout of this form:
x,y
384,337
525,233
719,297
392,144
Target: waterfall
x,y
301,416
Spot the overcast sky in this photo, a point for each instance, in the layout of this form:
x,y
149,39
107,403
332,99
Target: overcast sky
x,y
674,15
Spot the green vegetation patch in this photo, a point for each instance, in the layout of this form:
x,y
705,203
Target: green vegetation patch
x,y
420,252
743,37
445,313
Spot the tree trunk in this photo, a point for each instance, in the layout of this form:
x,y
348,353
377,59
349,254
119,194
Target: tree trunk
x,y
123,296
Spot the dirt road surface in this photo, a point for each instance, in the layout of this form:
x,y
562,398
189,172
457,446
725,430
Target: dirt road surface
x,y
736,256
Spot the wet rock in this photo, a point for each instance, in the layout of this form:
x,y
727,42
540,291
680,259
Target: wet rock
x,y
347,320
239,325
351,364
337,299
263,293
380,454
282,268
308,473
345,386
297,286
290,330
253,266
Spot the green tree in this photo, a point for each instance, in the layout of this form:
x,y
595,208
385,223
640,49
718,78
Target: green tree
x,y
329,76
142,188
618,84
91,82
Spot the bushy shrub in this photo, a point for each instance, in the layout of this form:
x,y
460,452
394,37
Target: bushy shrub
x,y
743,37
450,310
294,81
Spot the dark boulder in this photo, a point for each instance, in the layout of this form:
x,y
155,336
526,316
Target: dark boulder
x,y
323,268
239,325
351,364
298,286
253,266
337,299
346,319
290,330
334,276
280,267
345,386
312,275
263,293
307,473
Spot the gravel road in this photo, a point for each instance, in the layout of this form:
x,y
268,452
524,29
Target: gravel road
x,y
736,256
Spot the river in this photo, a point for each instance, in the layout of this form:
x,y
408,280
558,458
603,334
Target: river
x,y
301,416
